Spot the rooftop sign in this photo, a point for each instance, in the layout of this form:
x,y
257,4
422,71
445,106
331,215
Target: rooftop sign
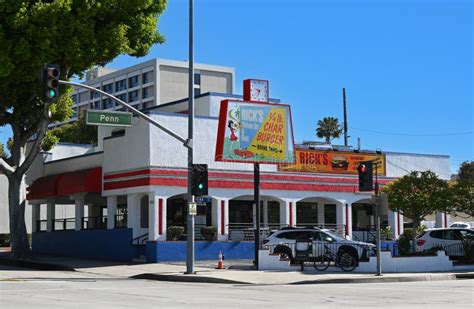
x,y
336,162
254,133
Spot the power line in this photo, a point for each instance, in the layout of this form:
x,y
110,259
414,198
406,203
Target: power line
x,y
409,134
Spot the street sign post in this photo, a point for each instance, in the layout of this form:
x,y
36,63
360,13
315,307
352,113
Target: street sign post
x,y
106,118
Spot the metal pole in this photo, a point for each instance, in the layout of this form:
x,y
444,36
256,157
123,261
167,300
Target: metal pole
x,y
190,225
345,116
131,108
377,223
256,182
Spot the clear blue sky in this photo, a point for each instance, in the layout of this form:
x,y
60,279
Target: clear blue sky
x,y
406,64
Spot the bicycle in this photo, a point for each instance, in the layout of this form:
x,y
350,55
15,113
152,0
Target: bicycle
x,y
343,259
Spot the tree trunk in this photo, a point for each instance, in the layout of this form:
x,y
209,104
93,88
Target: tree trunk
x,y
18,236
416,224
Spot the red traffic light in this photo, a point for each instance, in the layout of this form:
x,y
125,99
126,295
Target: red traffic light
x,y
361,168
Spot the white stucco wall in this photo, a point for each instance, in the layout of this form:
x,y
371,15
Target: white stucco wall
x,y
400,164
3,204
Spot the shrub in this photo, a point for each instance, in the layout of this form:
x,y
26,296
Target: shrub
x,y
175,232
4,240
209,233
404,241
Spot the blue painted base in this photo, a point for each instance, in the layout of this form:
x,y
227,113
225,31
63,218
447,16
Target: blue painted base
x,y
204,250
114,245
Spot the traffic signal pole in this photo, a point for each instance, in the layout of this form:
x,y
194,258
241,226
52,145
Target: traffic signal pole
x,y
190,219
377,222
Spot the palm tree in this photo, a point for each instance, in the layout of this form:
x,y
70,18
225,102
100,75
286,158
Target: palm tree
x,y
327,128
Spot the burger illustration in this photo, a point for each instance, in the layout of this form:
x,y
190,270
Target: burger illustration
x,y
339,163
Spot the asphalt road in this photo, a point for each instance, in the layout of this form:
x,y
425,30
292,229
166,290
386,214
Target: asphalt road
x,y
22,288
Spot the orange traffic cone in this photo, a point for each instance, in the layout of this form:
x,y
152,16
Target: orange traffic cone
x,y
220,263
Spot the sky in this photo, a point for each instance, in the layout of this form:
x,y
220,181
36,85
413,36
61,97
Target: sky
x,y
406,64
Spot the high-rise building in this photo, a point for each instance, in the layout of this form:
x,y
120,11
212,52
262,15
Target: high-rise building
x,y
149,84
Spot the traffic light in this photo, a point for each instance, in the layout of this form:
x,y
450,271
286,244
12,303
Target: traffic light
x,y
366,177
50,80
199,180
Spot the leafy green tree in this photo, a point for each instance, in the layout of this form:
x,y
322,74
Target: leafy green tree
x,y
77,35
2,151
417,195
77,132
463,189
328,128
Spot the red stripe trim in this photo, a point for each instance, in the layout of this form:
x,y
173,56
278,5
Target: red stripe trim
x,y
160,216
222,217
228,184
238,175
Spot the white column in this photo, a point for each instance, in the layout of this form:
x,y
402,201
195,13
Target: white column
x,y
79,210
439,220
292,206
321,220
392,222
133,213
340,217
220,210
50,215
111,211
265,213
348,210
400,225
284,213
153,216
35,216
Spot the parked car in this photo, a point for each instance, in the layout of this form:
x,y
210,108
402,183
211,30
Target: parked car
x,y
283,242
449,239
462,225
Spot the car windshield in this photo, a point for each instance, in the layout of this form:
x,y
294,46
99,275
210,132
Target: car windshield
x,y
334,235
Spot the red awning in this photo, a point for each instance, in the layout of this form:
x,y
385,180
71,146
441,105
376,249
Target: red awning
x,y
43,187
85,181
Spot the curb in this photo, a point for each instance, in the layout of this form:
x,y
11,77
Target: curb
x,y
465,276
186,278
34,265
433,277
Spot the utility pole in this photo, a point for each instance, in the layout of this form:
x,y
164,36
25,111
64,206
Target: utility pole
x,y
190,219
345,115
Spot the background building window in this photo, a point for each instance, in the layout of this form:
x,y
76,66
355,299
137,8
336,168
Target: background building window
x,y
121,85
109,88
147,77
147,92
133,81
197,79
107,103
122,97
133,96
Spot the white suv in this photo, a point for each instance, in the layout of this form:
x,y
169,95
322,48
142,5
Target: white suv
x,y
283,242
450,239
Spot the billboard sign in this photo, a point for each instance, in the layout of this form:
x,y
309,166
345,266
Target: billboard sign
x,y
337,162
255,133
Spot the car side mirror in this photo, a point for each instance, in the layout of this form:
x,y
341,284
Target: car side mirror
x,y
328,239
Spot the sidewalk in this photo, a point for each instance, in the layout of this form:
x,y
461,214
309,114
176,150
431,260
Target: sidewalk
x,y
237,272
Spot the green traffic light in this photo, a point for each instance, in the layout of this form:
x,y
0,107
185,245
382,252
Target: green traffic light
x,y
200,186
51,93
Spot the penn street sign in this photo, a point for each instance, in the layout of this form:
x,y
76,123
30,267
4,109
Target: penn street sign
x,y
105,118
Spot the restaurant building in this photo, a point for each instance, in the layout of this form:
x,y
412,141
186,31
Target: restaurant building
x,y
130,188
